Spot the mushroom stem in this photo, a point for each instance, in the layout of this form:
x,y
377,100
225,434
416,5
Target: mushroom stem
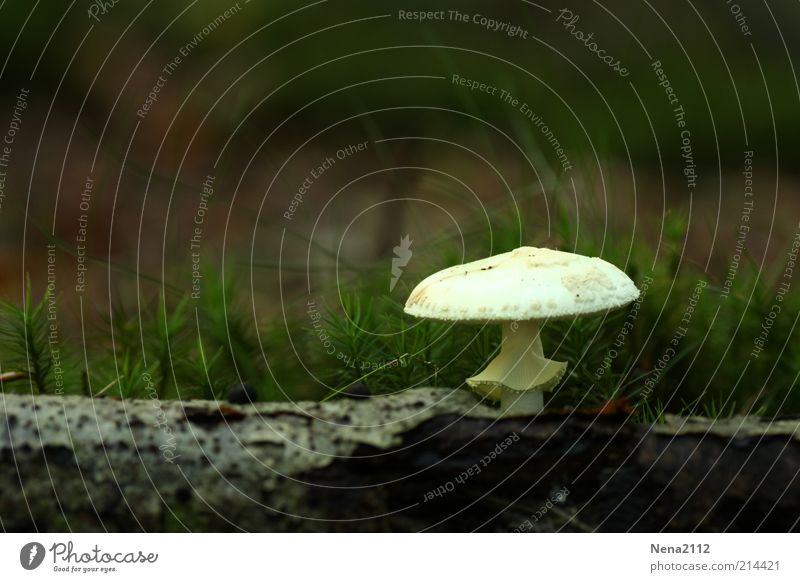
x,y
520,374
530,402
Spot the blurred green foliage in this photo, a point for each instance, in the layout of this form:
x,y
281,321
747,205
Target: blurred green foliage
x,y
192,348
689,346
736,95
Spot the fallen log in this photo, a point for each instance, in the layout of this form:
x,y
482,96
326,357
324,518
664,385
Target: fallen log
x,y
423,460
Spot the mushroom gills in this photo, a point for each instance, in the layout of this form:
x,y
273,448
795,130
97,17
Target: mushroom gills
x,y
519,375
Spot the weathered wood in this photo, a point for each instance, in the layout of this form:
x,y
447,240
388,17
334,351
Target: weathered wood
x,y
426,459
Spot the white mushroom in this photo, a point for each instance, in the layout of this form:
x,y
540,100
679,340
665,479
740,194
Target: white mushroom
x,y
520,289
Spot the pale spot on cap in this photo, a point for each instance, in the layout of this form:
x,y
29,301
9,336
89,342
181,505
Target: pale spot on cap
x,y
527,283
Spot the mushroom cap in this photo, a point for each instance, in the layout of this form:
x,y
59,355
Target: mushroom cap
x,y
524,284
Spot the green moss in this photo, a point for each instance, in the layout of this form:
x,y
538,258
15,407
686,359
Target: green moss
x,y
686,347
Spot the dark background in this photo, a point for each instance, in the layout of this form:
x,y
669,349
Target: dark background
x,y
280,86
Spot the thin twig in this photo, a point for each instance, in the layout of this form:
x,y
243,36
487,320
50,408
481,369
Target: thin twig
x,y
362,378
571,520
106,387
13,376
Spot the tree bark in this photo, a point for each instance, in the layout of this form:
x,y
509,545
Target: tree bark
x,y
423,460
